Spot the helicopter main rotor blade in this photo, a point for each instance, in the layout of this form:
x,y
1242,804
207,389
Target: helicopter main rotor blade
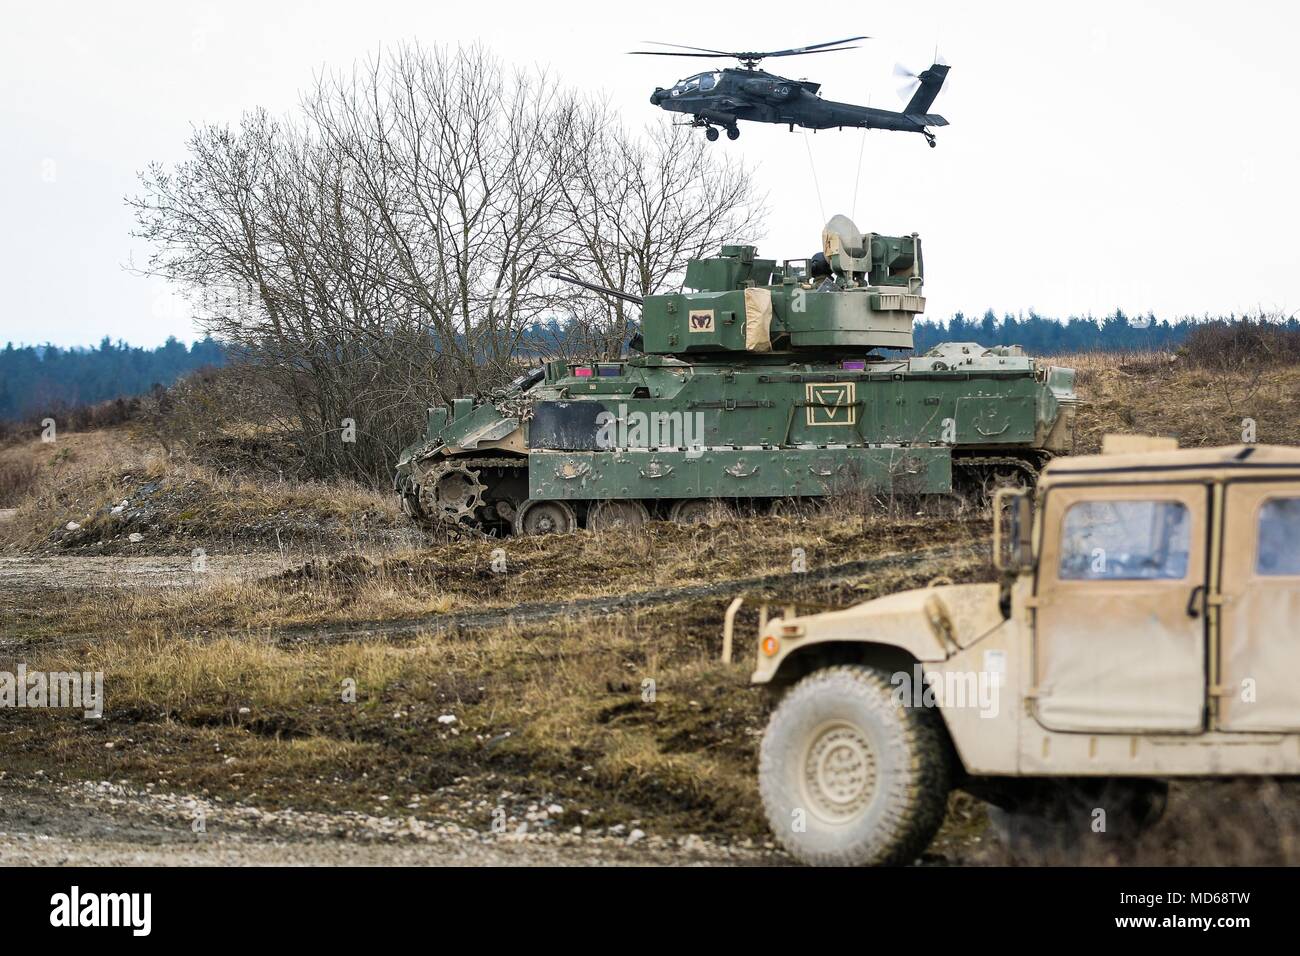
x,y
711,56
834,49
752,56
811,48
682,46
745,57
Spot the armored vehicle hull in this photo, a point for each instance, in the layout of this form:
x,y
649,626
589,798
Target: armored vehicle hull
x,y
669,438
758,383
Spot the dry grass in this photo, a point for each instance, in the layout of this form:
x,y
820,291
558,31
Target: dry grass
x,y
17,478
556,711
1160,394
481,574
551,710
175,503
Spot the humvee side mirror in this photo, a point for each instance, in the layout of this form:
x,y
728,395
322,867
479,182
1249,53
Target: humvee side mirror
x,y
1013,548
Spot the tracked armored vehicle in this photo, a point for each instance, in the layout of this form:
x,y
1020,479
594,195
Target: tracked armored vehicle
x,y
757,383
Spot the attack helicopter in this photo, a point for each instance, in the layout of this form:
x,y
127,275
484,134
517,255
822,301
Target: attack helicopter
x,y
721,98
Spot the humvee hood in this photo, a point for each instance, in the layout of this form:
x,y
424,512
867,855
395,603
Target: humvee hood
x,y
929,623
972,610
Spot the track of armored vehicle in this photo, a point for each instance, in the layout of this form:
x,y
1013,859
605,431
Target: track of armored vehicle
x,y
758,384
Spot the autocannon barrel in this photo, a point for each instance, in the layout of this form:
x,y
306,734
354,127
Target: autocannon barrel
x,y
617,294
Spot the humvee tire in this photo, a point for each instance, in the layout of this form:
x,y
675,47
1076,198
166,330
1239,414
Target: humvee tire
x,y
848,776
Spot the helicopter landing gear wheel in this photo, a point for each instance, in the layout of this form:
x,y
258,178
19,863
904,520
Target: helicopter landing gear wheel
x,y
544,517
605,515
733,133
711,134
929,138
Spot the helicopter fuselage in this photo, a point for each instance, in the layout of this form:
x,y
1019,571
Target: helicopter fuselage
x,y
724,97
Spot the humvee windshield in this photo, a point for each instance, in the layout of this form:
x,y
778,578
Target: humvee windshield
x,y
1125,541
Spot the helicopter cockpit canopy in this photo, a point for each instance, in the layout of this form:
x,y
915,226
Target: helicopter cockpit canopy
x,y
700,83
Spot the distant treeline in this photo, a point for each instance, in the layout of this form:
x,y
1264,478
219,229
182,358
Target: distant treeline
x,y
37,380
1040,335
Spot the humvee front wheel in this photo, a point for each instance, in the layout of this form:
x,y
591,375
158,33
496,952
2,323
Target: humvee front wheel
x,y
850,777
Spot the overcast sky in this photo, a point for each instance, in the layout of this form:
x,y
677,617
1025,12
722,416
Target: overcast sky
x,y
1101,154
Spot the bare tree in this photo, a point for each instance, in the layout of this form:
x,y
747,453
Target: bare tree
x,y
387,247
636,210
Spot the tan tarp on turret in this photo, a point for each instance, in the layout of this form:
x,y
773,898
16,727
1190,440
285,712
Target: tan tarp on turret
x,y
758,320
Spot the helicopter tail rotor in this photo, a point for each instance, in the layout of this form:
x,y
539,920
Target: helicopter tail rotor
x,y
920,89
905,82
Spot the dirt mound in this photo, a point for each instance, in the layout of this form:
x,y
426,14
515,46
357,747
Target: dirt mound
x,y
113,492
188,507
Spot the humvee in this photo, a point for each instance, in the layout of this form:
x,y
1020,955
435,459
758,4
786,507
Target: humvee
x,y
1146,627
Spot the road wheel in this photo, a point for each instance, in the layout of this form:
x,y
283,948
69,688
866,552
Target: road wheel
x,y
978,482
696,510
1006,477
849,776
616,514
544,517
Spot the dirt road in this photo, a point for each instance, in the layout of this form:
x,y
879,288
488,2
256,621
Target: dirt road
x,y
47,823
35,573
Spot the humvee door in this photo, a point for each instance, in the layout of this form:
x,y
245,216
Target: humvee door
x,y
1119,633
1259,644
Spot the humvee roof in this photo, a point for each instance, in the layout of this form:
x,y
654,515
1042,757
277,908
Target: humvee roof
x,y
1209,463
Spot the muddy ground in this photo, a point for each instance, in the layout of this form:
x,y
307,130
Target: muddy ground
x,y
126,788
190,784
329,688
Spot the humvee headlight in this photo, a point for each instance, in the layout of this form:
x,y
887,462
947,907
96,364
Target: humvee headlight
x,y
771,645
